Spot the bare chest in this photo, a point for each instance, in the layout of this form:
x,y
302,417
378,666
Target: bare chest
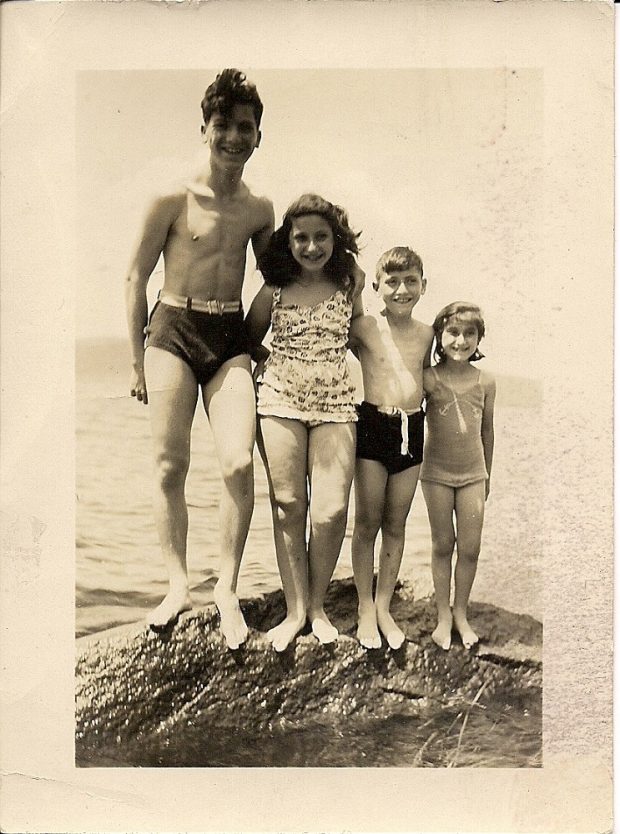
x,y
206,226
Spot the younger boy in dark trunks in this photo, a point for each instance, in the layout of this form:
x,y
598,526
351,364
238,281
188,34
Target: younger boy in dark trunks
x,y
393,348
196,341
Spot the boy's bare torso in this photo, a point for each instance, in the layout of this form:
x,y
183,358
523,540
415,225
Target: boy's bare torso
x,y
392,359
206,244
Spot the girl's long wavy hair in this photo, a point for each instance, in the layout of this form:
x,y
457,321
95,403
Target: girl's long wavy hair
x,y
461,310
279,267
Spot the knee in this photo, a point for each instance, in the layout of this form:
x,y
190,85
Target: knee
x,y
367,526
289,510
171,470
393,527
326,516
237,468
469,551
443,547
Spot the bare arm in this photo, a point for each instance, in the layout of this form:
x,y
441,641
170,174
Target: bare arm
x,y
257,322
151,240
426,362
487,430
358,308
260,239
356,329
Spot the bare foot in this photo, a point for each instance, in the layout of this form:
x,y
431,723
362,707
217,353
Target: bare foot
x,y
281,635
468,635
367,631
232,624
393,634
174,603
443,633
322,629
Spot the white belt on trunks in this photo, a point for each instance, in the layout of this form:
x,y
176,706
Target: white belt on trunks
x,y
199,305
392,410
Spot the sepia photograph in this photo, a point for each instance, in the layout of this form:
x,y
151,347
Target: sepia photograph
x,y
427,182
307,422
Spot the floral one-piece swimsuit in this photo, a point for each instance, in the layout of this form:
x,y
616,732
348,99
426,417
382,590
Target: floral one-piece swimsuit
x,y
306,376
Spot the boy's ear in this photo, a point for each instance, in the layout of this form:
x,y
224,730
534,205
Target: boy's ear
x,y
423,286
203,128
258,138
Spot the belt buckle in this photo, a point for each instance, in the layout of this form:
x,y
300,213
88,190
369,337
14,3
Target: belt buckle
x,y
216,307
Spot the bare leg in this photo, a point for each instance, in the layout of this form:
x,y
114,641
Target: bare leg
x,y
173,393
331,461
469,519
230,404
370,484
440,505
401,488
284,450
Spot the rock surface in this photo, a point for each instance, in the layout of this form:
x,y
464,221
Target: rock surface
x,y
132,682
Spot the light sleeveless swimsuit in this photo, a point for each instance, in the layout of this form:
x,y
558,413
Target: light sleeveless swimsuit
x,y
306,376
453,452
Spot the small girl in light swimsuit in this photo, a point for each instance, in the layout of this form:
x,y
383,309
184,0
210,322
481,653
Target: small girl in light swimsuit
x,y
458,455
306,401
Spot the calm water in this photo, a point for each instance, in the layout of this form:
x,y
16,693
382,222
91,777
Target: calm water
x,y
119,570
120,574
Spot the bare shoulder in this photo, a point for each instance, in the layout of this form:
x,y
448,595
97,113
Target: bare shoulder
x,y
260,206
426,331
356,330
429,379
362,327
487,380
168,200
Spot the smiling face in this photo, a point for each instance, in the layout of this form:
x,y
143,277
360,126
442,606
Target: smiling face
x,y
232,139
400,290
459,339
311,242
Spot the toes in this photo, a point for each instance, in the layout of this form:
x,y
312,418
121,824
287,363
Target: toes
x,y
370,641
441,641
395,639
323,632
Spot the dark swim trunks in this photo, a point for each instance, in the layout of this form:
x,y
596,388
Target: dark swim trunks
x,y
380,438
204,341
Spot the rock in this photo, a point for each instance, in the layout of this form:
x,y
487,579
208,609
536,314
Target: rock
x,y
132,682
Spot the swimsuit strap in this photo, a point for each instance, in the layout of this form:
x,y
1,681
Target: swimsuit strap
x,y
276,297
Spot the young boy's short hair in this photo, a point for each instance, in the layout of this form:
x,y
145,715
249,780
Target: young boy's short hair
x,y
230,87
397,259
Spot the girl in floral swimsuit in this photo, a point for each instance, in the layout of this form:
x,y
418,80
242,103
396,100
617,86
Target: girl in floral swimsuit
x,y
306,401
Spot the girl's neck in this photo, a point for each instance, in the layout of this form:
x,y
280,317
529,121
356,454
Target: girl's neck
x,y
456,369
311,279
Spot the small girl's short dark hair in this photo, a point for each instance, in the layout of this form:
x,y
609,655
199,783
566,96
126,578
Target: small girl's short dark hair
x,y
461,310
398,259
278,265
230,87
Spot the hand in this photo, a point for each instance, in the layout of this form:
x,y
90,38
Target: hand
x,y
138,386
359,277
258,372
357,273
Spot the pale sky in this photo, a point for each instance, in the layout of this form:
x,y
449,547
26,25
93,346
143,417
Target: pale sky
x,y
446,161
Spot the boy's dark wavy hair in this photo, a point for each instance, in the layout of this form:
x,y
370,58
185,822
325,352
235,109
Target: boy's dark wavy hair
x,y
229,88
460,310
278,265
